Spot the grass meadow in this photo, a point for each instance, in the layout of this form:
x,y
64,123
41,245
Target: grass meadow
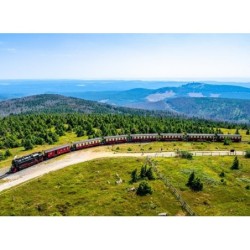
x,y
89,189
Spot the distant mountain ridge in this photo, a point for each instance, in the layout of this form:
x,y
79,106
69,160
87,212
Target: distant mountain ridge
x,y
217,102
154,95
50,103
212,108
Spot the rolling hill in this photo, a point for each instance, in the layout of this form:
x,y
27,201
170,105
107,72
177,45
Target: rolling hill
x,y
138,95
51,103
221,109
212,108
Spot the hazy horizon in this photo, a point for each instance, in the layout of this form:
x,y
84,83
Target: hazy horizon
x,y
173,57
149,83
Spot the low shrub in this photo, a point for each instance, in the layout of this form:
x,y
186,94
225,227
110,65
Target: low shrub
x,y
144,189
186,155
247,155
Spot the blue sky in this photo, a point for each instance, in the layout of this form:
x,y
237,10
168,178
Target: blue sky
x,y
125,56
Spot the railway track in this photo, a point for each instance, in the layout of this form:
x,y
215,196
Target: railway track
x,y
4,175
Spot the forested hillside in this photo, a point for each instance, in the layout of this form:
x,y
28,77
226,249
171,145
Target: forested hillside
x,y
38,129
213,108
49,103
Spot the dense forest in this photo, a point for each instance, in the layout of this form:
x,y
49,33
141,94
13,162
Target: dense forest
x,y
213,108
37,129
51,103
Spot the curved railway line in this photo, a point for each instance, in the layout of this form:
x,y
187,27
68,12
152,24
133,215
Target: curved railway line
x,y
74,157
37,157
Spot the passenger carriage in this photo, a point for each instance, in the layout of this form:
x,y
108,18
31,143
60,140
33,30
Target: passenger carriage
x,y
171,137
87,143
143,137
116,139
53,152
232,137
201,137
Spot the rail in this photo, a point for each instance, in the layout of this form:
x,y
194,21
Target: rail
x,y
4,175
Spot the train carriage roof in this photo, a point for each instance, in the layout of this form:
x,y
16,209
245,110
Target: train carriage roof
x,y
172,134
89,140
190,134
114,136
60,147
155,134
230,135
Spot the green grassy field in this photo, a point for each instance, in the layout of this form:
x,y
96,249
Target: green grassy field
x,y
229,197
241,131
174,146
89,189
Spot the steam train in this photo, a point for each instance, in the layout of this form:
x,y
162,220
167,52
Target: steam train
x,y
32,159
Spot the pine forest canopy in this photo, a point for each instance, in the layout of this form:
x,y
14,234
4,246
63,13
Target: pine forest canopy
x,y
38,129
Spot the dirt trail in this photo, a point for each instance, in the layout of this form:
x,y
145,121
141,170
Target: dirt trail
x,y
82,156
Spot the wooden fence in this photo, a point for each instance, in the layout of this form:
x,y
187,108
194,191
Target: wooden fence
x,y
173,190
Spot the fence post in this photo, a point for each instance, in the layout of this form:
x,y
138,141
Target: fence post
x,y
174,191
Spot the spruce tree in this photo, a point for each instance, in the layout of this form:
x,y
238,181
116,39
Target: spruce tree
x,y
134,176
150,174
143,172
197,185
144,189
235,163
247,155
7,153
190,179
27,144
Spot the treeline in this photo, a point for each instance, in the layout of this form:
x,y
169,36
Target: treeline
x,y
38,129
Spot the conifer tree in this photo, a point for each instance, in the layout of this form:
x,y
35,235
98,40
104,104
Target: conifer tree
x,y
144,189
235,163
134,176
150,174
143,172
190,179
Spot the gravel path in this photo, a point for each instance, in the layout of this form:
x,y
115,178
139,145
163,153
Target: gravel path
x,y
82,156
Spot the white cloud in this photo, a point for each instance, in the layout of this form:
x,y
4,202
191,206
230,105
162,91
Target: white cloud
x,y
81,85
104,101
160,96
9,50
214,95
193,94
